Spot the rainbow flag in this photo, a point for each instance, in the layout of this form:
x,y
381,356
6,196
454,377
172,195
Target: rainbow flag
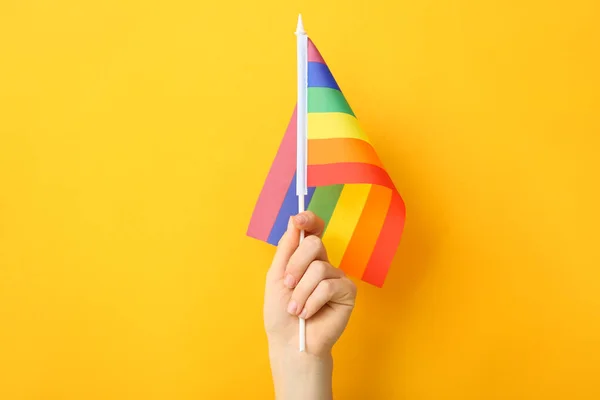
x,y
347,184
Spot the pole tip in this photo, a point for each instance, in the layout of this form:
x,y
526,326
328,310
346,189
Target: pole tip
x,y
300,26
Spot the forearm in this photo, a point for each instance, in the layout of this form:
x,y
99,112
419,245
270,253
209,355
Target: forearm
x,y
300,376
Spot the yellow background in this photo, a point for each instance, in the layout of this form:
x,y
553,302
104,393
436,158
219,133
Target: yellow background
x,y
135,137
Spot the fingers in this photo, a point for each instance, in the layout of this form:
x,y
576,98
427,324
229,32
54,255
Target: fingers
x,y
286,247
317,272
305,269
339,291
312,226
310,223
310,249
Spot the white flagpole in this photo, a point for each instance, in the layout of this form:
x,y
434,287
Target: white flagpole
x,y
301,136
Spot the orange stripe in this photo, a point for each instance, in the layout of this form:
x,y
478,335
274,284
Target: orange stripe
x,y
340,150
366,232
387,244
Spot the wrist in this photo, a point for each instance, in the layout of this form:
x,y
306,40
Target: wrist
x,y
300,375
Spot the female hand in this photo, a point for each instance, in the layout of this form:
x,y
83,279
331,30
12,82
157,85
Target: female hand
x,y
301,282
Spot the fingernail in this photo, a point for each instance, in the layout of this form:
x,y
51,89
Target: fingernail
x,y
292,307
303,313
300,219
289,281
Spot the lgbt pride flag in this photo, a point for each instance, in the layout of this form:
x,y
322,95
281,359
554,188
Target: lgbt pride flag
x,y
347,184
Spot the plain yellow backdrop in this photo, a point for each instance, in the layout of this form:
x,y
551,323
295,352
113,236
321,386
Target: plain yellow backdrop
x,y
134,140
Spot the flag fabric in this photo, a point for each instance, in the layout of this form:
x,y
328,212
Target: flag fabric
x,y
348,186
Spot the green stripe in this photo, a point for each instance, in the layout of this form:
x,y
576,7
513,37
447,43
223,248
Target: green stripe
x,y
324,200
321,100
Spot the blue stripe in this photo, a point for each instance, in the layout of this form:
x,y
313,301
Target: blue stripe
x,y
319,75
288,208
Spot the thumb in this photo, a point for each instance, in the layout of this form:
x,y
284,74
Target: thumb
x,y
310,222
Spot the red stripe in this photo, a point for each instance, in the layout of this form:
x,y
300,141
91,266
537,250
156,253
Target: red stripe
x,y
334,174
313,53
387,243
276,185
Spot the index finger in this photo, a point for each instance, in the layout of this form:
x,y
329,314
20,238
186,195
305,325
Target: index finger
x,y
309,222
285,248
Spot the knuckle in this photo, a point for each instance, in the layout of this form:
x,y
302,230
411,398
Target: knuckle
x,y
319,268
326,286
313,242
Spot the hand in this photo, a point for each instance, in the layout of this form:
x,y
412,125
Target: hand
x,y
301,282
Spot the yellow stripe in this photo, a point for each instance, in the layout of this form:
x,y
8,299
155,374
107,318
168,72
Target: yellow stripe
x,y
344,219
333,125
